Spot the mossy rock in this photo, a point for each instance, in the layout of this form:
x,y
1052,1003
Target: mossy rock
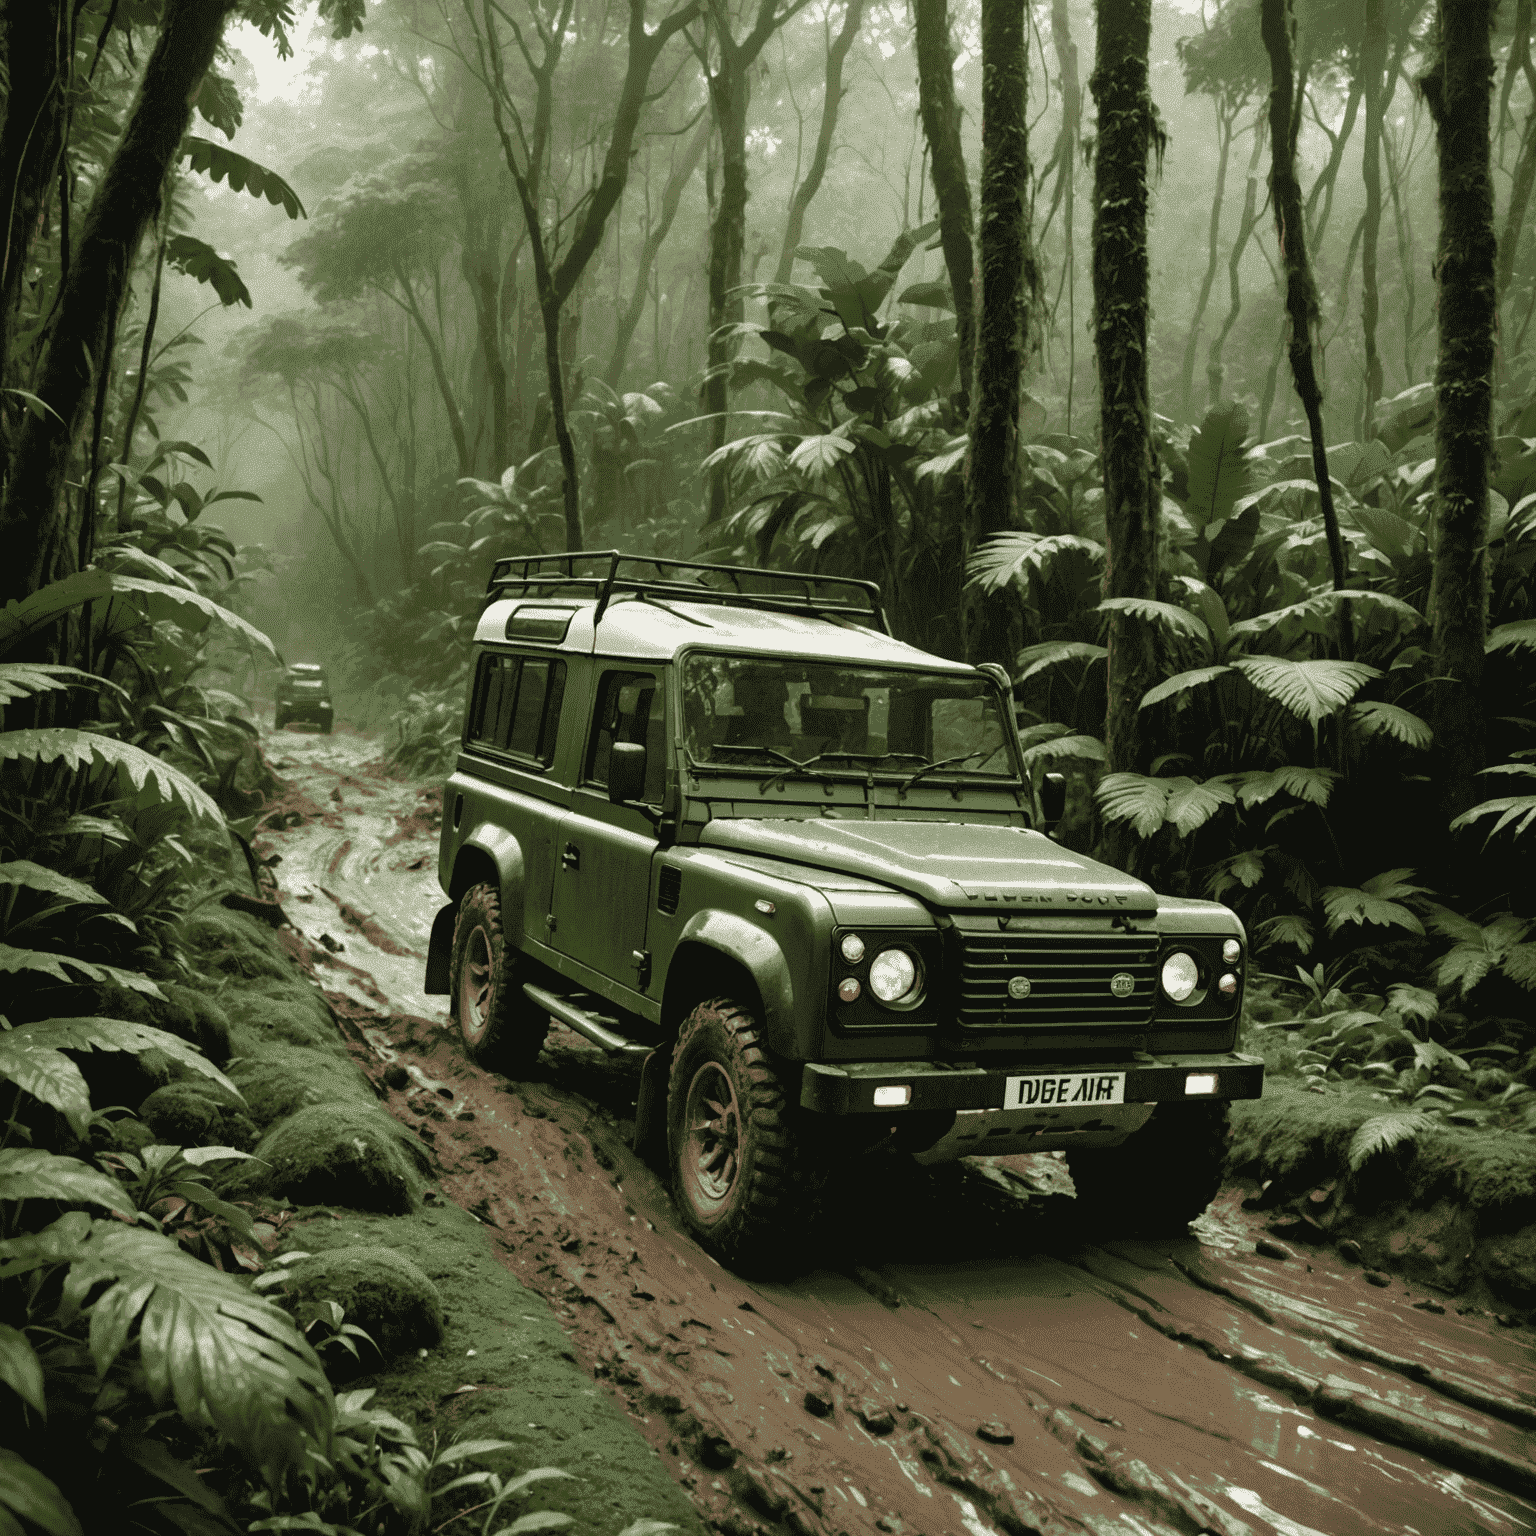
x,y
278,1084
222,943
210,1023
340,1154
124,1135
1509,1268
184,1115
380,1290
288,1012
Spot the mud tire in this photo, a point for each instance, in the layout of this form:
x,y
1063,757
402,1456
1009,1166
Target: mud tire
x,y
1158,1180
747,1208
325,726
497,1025
279,720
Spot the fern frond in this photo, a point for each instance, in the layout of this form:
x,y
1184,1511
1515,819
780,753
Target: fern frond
x,y
1382,1132
140,771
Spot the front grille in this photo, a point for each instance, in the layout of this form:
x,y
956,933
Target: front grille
x,y
1069,976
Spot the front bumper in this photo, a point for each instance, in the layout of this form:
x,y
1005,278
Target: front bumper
x,y
305,709
850,1089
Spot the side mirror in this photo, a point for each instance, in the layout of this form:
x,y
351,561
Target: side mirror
x,y
626,772
1053,799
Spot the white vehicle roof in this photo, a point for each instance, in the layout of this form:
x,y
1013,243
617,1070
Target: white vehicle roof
x,y
657,629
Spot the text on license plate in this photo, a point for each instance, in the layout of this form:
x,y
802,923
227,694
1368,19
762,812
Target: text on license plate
x,y
1069,1088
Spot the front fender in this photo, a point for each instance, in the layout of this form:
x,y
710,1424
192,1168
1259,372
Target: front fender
x,y
759,954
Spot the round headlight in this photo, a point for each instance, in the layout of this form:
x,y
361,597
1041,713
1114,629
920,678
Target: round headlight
x,y
892,975
1181,976
852,948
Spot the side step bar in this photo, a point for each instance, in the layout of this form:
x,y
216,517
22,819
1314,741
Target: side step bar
x,y
584,1024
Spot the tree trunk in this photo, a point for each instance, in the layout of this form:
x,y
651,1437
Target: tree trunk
x,y
728,88
1224,125
1008,279
1122,310
37,61
1277,25
946,164
1373,64
682,174
1215,367
1524,177
32,521
1458,90
1066,176
832,96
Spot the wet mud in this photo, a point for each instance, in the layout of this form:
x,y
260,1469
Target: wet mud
x,y
960,1365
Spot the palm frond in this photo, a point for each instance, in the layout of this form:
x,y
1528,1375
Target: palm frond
x,y
1179,621
1372,718
1181,683
141,771
1034,659
1312,690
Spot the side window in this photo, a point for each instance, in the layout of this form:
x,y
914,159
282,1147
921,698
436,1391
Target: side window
x,y
516,706
630,707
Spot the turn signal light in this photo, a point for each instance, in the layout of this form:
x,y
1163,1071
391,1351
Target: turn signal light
x,y
893,1097
1227,984
1200,1082
1231,951
849,990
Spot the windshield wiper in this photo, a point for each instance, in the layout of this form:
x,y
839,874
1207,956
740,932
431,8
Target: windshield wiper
x,y
855,757
746,746
943,762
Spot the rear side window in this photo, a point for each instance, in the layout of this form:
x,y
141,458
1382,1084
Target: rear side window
x,y
630,707
516,707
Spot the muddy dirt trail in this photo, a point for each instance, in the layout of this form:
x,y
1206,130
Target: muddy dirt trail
x,y
957,1369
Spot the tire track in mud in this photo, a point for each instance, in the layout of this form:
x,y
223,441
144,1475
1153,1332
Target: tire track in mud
x,y
961,1367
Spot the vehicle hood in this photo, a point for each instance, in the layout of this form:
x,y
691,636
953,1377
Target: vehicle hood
x,y
947,864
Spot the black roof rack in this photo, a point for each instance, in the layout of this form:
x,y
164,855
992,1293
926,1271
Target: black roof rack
x,y
604,573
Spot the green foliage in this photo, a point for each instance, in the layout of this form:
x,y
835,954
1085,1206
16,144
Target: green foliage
x,y
220,163
199,261
1377,901
1383,1132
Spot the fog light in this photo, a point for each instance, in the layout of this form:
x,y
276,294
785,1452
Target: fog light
x,y
849,990
852,948
1231,952
892,1097
1200,1082
1227,984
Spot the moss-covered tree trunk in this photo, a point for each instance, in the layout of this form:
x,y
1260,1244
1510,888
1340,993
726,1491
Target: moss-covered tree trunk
x,y
1065,160
946,164
1278,25
1122,311
1524,178
33,516
1458,88
831,101
1008,280
1373,64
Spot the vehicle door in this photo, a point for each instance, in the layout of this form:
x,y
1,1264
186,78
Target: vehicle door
x,y
602,884
514,720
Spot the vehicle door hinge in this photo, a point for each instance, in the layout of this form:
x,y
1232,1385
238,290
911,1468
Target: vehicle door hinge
x,y
549,921
641,960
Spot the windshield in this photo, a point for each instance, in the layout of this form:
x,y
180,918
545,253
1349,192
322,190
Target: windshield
x,y
779,713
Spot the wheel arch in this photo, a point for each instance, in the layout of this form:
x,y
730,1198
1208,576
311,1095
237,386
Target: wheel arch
x,y
491,855
721,955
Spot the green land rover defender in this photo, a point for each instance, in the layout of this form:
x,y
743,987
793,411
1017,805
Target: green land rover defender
x,y
719,819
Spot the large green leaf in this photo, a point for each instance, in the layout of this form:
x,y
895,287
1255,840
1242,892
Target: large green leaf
x,y
1218,475
1314,785
28,1173
140,771
21,1370
38,877
155,599
227,1360
40,961
219,163
1181,683
819,456
1321,610
26,1494
32,1057
18,679
1376,901
1150,803
1009,557
1519,636
199,261
1088,747
1311,689
1055,653
1179,620
1376,719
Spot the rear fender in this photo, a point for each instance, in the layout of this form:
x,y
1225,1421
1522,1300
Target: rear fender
x,y
440,950
741,944
483,849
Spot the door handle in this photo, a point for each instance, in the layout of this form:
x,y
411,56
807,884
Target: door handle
x,y
571,856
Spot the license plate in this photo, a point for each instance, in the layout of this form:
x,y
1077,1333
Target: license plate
x,y
1069,1089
